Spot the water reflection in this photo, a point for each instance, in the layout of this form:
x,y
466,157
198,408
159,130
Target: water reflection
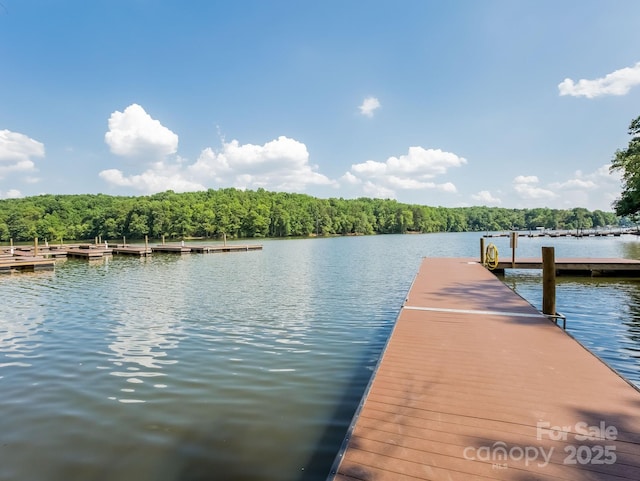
x,y
20,337
21,321
145,328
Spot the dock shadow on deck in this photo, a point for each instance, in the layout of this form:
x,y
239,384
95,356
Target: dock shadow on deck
x,y
472,378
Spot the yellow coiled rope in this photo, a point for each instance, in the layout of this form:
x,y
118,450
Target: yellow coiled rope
x,y
491,257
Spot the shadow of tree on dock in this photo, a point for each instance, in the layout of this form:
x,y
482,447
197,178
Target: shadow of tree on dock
x,y
487,295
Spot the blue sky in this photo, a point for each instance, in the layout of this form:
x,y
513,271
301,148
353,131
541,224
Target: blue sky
x,y
516,104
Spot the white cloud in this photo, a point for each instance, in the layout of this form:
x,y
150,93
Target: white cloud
x,y
486,198
281,165
526,187
615,83
413,171
349,178
526,179
17,151
369,106
378,191
593,190
11,194
133,133
153,180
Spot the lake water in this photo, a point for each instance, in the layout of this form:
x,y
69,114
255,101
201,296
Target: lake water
x,y
243,366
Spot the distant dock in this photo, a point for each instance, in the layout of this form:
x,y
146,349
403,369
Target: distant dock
x,y
33,258
475,384
598,232
205,249
22,263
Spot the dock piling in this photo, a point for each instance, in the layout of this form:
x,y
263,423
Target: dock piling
x,y
548,281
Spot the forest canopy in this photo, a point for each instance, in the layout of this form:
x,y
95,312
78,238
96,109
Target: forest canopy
x,y
627,162
245,214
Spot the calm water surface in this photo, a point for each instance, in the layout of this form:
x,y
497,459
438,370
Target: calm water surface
x,y
243,366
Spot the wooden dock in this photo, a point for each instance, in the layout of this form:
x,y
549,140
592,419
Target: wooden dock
x,y
21,263
89,251
203,249
475,384
129,250
30,257
212,249
578,266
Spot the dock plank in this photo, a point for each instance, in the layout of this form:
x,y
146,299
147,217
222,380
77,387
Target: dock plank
x,y
471,367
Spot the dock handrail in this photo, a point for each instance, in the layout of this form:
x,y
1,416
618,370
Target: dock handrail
x,y
555,317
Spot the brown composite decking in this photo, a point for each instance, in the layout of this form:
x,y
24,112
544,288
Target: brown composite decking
x,y
471,369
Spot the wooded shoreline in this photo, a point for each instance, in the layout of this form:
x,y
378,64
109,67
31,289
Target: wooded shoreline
x,y
256,214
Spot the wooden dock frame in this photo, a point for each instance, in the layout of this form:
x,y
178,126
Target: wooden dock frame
x,y
10,264
205,249
473,378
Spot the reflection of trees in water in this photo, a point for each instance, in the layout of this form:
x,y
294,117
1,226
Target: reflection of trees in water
x,y
631,250
632,321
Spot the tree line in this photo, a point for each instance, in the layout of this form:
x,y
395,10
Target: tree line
x,y
245,214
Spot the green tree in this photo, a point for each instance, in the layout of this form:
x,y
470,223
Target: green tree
x,y
627,162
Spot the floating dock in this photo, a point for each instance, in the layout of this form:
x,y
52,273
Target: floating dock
x,y
89,251
129,250
13,263
212,249
578,266
203,249
475,384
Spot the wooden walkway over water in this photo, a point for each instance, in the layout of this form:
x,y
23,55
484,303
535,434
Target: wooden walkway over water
x,y
475,384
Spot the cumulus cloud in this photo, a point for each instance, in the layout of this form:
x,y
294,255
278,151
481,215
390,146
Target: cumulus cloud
x,y
156,179
615,83
592,190
378,191
281,164
11,194
369,106
527,188
134,133
17,151
486,198
349,178
413,171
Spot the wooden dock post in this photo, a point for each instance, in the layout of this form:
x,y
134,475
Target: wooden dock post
x,y
146,244
162,239
35,246
482,250
548,281
513,244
